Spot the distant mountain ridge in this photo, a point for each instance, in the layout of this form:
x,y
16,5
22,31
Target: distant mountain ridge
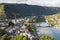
x,y
22,10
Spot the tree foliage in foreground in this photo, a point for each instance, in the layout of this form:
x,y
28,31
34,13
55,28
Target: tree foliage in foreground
x,y
5,37
19,37
46,38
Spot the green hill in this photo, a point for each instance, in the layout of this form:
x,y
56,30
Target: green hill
x,y
23,10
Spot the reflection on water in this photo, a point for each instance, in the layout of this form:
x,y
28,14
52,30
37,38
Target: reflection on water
x,y
49,31
44,31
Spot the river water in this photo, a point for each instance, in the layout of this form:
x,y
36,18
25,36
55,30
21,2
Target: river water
x,y
49,31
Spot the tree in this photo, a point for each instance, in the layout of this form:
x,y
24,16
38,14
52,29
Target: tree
x,y
30,27
24,38
46,38
5,37
2,32
11,23
19,37
33,38
2,12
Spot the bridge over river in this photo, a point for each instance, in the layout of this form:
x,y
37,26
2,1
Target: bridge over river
x,y
43,24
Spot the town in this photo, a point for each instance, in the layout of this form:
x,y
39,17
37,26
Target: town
x,y
22,26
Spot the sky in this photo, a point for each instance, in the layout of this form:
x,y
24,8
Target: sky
x,y
54,3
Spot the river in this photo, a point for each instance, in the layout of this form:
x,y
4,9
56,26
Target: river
x,y
49,31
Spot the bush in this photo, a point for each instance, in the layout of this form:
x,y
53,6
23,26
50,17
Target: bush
x,y
19,37
46,38
5,37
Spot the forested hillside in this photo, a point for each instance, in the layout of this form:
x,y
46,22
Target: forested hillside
x,y
22,10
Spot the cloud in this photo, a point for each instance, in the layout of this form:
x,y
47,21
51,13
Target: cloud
x,y
54,3
12,1
45,2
